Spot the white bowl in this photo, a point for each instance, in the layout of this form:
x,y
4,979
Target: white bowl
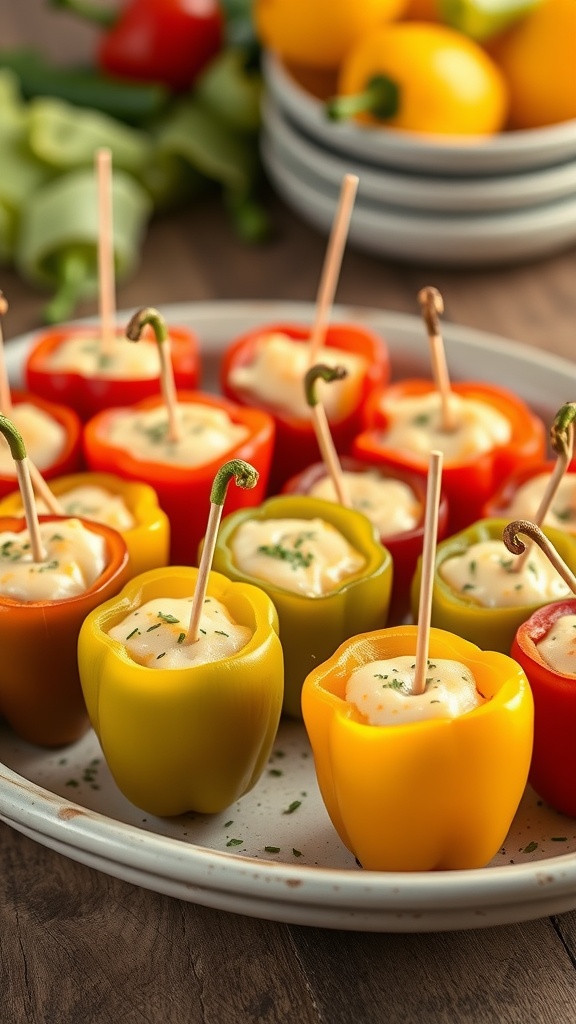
x,y
386,147
417,237
407,189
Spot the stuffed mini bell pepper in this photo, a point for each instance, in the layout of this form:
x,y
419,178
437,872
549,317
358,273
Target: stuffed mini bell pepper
x,y
545,647
433,793
495,433
183,679
71,365
175,442
54,571
266,367
479,592
553,767
322,565
131,508
52,434
393,499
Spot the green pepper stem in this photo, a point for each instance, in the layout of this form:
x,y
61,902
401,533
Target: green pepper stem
x,y
245,476
73,271
18,452
322,426
562,440
381,98
140,319
511,538
96,13
432,305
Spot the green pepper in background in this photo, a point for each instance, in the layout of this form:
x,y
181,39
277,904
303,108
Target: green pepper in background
x,y
65,137
483,19
232,87
57,245
133,102
20,171
196,135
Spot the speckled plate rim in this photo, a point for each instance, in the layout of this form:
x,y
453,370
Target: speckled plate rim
x,y
301,894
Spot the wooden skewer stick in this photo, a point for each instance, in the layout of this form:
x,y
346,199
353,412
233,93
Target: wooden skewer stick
x,y
428,559
511,538
245,476
18,452
332,263
432,306
149,315
322,427
106,276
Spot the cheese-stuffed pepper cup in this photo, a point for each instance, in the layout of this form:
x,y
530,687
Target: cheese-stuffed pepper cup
x,y
53,436
40,693
426,795
265,367
459,610
127,506
553,767
312,625
192,738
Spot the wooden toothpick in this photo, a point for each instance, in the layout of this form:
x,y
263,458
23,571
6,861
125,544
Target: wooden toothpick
x,y
106,276
433,488
322,427
332,264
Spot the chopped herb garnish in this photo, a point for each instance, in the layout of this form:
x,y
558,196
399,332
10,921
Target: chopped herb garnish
x,y
155,626
181,637
228,823
275,771
421,420
472,567
221,632
72,782
272,849
234,842
296,558
168,618
48,566
297,853
133,633
530,848
163,655
292,807
469,586
558,839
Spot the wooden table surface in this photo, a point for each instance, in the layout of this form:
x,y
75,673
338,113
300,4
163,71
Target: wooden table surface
x,y
77,945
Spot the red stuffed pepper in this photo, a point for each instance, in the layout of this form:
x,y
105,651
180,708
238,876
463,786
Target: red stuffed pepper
x,y
553,767
255,371
183,490
53,436
69,365
471,475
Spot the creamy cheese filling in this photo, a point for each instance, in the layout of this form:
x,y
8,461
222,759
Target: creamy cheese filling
x,y
154,633
391,505
207,434
415,426
75,557
486,574
276,377
382,691
307,556
561,514
558,647
126,360
90,502
43,436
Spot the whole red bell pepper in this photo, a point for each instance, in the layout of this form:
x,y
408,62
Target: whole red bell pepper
x,y
184,492
471,482
70,457
553,766
295,445
167,41
89,394
405,547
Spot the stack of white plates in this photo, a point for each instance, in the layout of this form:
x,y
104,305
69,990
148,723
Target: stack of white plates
x,y
503,199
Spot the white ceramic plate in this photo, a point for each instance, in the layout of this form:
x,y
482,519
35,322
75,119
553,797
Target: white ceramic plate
x,y
384,147
67,801
388,189
415,236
